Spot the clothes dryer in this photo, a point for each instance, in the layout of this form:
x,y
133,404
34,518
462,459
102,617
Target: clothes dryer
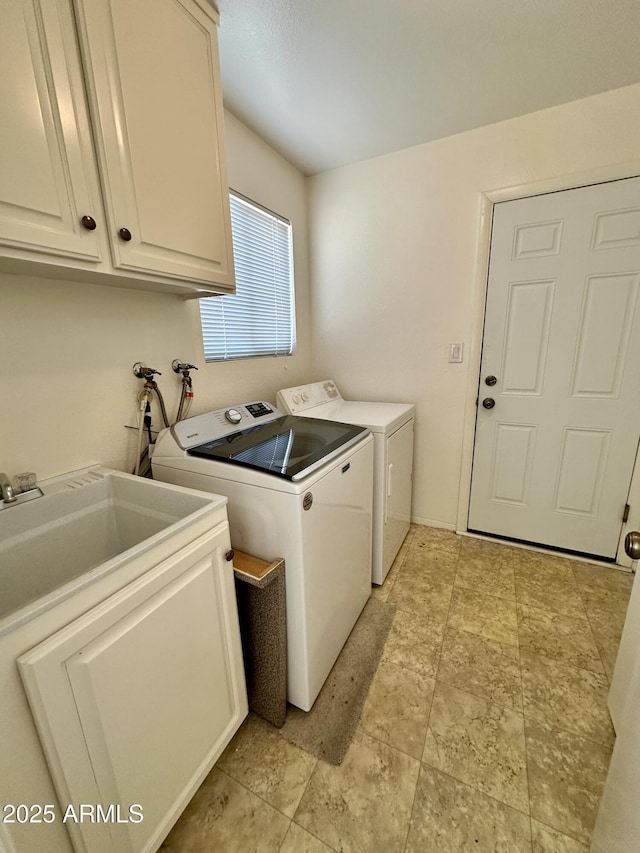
x,y
392,427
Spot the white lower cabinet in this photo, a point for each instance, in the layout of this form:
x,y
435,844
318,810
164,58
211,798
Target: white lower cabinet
x,y
136,699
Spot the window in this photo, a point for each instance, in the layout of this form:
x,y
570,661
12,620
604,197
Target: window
x,y
259,319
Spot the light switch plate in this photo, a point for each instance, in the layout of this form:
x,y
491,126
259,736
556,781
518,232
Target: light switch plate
x,y
455,353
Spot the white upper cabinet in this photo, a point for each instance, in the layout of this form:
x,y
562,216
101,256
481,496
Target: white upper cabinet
x,y
153,142
152,77
48,180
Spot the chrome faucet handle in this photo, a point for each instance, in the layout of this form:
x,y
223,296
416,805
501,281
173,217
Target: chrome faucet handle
x,y
6,490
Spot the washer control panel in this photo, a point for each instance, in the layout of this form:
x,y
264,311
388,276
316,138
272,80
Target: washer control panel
x,y
259,410
222,422
304,397
233,416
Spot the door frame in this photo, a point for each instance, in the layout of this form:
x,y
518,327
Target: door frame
x,y
599,175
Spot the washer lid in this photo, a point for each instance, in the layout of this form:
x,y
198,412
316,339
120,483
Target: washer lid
x,y
290,447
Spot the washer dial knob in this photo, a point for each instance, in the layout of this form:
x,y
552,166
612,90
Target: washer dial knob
x,y
330,389
233,416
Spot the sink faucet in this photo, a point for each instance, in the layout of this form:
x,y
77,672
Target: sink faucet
x,y
6,490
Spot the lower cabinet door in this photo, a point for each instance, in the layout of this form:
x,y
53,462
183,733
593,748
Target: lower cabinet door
x,y
135,700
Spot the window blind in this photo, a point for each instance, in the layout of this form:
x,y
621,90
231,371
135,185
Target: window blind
x,y
259,319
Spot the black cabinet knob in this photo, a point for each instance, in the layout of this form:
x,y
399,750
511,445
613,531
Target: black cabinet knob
x,y
89,223
229,555
125,234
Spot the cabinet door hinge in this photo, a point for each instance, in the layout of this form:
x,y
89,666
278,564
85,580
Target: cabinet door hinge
x,y
625,514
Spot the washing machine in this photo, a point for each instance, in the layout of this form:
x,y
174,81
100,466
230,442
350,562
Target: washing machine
x,y
392,427
298,488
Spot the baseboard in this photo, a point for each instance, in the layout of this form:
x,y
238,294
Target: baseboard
x,y
430,522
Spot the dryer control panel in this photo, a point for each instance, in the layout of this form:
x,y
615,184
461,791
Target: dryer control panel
x,y
300,398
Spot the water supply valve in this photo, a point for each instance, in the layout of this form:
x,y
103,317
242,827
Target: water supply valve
x,y
141,371
181,366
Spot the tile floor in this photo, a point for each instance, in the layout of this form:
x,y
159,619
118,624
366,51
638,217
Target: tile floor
x,y
485,728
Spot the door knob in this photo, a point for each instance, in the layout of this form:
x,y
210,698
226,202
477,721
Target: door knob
x,y
632,545
488,402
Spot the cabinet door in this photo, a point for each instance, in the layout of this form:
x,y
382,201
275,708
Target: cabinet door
x,y
136,699
48,178
152,74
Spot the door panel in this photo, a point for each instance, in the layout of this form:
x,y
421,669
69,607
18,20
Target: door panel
x,y
616,229
553,459
527,333
583,462
537,241
604,335
513,459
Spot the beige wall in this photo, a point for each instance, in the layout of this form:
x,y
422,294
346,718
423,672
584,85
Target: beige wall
x,y
395,245
394,251
66,350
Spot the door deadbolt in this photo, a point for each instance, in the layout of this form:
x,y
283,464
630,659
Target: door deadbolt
x,y
490,380
488,402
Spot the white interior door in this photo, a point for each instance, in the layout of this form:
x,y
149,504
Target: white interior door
x,y
617,828
553,457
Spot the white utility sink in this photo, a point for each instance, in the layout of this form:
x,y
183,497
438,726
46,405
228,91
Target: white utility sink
x,y
84,525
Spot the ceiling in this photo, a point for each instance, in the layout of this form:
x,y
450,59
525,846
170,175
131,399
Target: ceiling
x,y
331,82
